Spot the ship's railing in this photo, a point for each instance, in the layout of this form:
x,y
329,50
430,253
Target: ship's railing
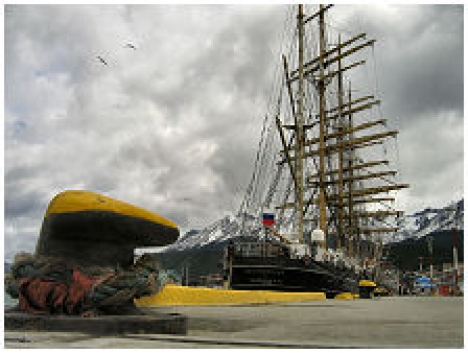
x,y
260,249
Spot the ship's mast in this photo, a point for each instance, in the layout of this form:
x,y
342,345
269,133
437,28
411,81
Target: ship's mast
x,y
300,127
321,85
352,233
343,141
340,210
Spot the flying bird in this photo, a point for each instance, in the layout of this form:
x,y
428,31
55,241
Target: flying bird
x,y
102,60
128,45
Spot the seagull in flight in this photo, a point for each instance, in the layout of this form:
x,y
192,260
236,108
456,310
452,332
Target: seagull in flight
x,y
131,46
102,60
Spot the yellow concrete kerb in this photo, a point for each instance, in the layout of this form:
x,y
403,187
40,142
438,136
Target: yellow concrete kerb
x,y
174,295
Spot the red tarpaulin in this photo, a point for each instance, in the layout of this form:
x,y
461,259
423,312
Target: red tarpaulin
x,y
39,295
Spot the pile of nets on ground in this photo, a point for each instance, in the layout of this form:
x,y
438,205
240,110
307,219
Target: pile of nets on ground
x,y
49,285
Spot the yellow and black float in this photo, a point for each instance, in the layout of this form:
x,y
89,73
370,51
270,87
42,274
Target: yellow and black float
x,y
366,289
84,226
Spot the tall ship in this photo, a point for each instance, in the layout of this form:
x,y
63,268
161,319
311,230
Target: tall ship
x,y
322,195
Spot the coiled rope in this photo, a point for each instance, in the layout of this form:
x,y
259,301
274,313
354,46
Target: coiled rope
x,y
51,285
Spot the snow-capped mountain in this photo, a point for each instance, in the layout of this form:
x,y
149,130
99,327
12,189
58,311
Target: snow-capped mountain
x,y
224,229
228,228
429,221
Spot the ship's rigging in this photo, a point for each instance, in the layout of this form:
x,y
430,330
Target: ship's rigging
x,y
319,160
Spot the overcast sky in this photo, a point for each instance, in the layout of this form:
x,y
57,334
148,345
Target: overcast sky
x,y
173,126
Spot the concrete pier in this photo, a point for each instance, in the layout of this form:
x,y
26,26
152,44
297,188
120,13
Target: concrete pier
x,y
390,322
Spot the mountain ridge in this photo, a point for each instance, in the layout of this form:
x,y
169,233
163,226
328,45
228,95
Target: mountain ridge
x,y
416,225
201,252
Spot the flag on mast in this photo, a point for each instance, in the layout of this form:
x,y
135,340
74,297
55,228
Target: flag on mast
x,y
268,218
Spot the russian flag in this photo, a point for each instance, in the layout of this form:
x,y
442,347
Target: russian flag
x,y
268,218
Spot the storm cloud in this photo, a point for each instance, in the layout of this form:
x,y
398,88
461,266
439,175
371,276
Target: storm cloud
x,y
173,126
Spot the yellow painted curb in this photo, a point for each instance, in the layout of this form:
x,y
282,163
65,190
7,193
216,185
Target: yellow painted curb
x,y
345,295
174,295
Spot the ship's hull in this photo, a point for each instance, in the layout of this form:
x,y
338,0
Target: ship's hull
x,y
285,274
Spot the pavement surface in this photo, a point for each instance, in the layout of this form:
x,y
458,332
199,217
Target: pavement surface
x,y
392,322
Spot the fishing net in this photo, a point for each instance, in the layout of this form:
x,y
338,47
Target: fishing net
x,y
51,285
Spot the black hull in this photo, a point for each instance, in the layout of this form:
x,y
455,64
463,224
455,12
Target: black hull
x,y
292,275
